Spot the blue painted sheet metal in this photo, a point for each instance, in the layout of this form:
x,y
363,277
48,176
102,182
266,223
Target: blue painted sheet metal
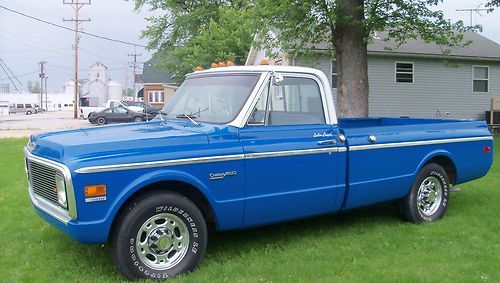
x,y
267,189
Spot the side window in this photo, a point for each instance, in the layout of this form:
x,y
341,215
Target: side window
x,y
28,105
297,101
120,110
20,106
109,110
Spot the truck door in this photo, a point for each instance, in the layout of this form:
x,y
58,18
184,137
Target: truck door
x,y
290,153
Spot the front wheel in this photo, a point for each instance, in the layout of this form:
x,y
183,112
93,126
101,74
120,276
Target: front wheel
x,y
159,236
28,112
429,196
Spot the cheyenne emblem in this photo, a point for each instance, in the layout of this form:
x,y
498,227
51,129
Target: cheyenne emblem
x,y
218,176
322,135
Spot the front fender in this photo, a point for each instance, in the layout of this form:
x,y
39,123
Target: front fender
x,y
152,177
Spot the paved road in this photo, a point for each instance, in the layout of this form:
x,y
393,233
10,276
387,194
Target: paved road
x,y
19,125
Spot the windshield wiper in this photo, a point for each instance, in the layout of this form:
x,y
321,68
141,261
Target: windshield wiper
x,y
161,115
190,117
198,112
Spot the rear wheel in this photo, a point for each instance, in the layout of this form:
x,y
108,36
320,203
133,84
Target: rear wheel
x,y
138,119
100,121
159,236
28,112
429,196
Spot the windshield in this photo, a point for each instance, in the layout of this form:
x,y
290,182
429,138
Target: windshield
x,y
212,98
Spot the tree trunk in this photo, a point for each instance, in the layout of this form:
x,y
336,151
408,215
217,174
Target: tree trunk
x,y
351,56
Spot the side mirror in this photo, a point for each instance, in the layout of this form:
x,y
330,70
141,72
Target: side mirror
x,y
277,79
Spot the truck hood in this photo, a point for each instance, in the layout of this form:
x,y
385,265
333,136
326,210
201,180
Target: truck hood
x,y
119,143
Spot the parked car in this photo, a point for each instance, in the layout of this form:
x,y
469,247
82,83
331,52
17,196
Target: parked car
x,y
239,147
117,115
25,108
85,111
146,108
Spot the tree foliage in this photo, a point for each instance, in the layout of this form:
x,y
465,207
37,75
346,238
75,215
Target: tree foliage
x,y
342,24
192,33
33,87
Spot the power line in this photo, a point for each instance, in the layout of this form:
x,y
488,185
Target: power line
x,y
21,75
70,29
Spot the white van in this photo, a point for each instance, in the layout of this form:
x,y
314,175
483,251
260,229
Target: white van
x,y
26,108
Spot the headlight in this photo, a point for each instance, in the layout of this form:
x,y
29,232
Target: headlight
x,y
61,191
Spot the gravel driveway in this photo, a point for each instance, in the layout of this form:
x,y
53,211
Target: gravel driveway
x,y
20,125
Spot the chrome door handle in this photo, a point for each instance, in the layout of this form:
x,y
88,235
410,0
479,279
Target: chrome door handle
x,y
327,142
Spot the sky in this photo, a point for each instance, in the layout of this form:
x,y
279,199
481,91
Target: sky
x,y
25,42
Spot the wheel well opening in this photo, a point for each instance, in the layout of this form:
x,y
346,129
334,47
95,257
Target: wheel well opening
x,y
181,188
447,165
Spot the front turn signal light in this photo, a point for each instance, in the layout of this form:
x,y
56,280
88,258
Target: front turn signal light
x,y
95,191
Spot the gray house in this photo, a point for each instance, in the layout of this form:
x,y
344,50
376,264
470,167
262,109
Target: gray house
x,y
417,79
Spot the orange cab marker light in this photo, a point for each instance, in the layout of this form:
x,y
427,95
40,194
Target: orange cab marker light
x,y
229,63
264,62
222,64
214,65
95,191
199,68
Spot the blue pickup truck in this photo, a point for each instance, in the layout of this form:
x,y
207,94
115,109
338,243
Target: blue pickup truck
x,y
238,147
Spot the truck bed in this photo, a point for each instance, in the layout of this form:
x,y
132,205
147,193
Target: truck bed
x,y
384,122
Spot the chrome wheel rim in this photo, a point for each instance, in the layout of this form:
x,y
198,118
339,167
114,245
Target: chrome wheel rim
x,y
100,121
429,196
162,241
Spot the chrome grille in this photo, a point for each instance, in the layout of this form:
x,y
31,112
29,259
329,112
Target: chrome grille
x,y
42,180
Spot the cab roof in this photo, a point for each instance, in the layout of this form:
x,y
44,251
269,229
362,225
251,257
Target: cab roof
x,y
258,69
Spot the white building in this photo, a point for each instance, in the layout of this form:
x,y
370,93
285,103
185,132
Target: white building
x,y
55,101
99,88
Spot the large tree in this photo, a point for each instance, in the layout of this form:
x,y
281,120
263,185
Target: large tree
x,y
348,26
186,34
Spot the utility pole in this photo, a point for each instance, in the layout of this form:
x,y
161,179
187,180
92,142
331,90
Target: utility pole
x,y
42,77
135,67
46,94
472,10
76,5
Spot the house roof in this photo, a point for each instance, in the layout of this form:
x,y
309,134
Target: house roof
x,y
480,48
151,74
98,64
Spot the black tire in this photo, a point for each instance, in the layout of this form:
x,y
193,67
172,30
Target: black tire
x,y
28,112
429,196
100,121
178,212
138,119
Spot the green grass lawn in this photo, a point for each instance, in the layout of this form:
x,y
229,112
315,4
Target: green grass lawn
x,y
366,245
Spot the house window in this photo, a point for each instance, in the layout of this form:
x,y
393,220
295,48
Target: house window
x,y
480,77
151,96
334,73
404,72
156,96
